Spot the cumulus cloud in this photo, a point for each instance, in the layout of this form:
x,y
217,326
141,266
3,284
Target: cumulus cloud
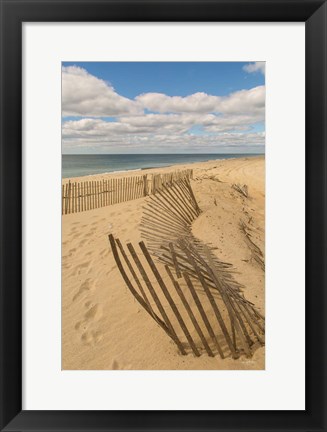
x,y
148,124
155,121
250,102
224,142
197,102
159,123
239,102
255,67
169,136
85,95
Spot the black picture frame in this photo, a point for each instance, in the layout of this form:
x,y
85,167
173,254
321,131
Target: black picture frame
x,y
13,14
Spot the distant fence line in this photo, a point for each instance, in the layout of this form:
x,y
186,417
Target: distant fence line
x,y
88,195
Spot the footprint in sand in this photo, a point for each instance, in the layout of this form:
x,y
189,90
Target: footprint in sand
x,y
78,325
93,314
86,286
83,266
91,337
90,233
116,365
69,255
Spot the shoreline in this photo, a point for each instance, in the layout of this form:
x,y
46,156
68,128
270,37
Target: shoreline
x,y
152,170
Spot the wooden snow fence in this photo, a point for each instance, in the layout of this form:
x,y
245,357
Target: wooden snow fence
x,y
88,195
182,285
190,301
160,181
168,215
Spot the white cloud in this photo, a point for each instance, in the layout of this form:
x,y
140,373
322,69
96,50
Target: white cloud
x,y
155,124
198,122
255,67
154,133
85,95
195,103
171,143
250,102
148,124
244,101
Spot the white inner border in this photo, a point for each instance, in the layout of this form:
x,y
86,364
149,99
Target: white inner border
x,y
281,385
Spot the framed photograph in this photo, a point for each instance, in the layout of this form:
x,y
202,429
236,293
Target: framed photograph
x,y
142,172
163,208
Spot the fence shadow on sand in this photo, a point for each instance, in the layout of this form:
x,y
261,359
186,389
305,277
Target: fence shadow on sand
x,y
179,281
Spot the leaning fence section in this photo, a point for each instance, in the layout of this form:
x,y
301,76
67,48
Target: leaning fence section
x,y
160,181
187,299
191,294
88,195
168,215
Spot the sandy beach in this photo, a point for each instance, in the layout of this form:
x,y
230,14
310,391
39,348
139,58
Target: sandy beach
x,y
103,326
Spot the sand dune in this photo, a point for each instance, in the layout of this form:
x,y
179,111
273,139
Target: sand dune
x,y
103,327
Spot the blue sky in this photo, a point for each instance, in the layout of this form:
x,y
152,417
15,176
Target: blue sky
x,y
163,107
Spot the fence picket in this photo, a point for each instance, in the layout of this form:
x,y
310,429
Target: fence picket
x,y
79,197
100,193
73,198
110,191
76,197
130,188
69,194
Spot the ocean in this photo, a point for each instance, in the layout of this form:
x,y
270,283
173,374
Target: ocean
x,y
81,165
